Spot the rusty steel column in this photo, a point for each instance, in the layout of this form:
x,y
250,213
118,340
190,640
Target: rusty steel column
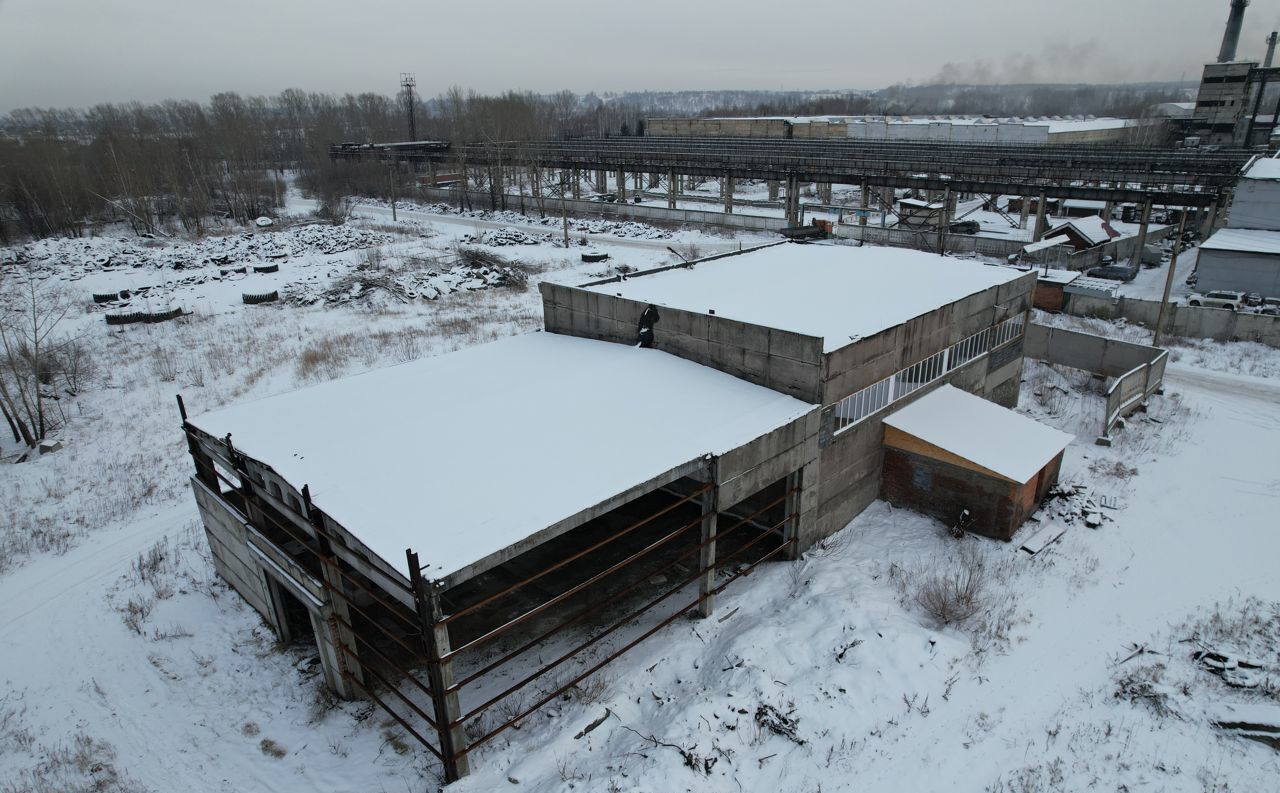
x,y
435,638
791,528
621,179
864,201
673,189
710,501
726,191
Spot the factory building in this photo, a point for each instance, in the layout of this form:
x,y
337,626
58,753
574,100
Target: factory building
x,y
954,129
665,434
1245,256
1238,101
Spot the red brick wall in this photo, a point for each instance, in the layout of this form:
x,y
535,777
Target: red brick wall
x,y
1048,297
941,490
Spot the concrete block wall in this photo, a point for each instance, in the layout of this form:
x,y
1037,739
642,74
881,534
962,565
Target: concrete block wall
x,y
856,366
1098,354
748,469
1192,322
784,361
608,210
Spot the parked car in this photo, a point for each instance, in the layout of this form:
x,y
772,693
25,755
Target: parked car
x,y
1217,299
1253,299
1113,272
1193,279
966,227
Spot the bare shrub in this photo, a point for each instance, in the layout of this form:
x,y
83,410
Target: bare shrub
x,y
955,591
135,613
406,347
164,364
272,749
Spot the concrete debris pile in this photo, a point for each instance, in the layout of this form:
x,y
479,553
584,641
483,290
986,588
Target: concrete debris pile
x,y
1235,670
507,236
1071,503
404,286
72,259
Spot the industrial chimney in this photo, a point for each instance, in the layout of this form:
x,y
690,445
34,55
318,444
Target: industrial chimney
x,y
1271,49
1231,39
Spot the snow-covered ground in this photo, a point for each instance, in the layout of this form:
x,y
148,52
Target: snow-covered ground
x,y
127,665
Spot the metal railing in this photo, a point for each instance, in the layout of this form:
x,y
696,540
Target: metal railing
x,y
1131,390
879,395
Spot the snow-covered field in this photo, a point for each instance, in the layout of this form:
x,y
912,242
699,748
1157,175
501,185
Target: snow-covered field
x,y
127,665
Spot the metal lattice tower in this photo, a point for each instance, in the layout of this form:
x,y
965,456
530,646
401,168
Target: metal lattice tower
x,y
408,82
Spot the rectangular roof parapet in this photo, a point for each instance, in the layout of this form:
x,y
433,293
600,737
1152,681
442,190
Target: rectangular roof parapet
x,y
1243,240
995,438
838,293
479,450
1264,168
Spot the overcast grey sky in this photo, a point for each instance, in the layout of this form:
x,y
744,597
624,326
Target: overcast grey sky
x,y
78,52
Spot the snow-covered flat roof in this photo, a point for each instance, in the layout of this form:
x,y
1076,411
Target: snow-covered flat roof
x,y
1244,240
840,293
997,439
1044,243
1093,228
1051,276
1264,168
463,455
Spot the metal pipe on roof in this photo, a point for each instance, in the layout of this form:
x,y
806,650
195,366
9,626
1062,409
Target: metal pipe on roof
x,y
1231,38
1271,49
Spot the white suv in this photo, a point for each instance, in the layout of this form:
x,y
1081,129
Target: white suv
x,y
1217,299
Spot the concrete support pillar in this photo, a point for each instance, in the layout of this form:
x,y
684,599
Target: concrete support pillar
x,y
1107,210
1144,223
887,195
707,554
602,182
1039,229
654,179
793,201
621,180
726,192
435,638
1022,216
575,183
864,203
673,189
773,189
638,180
824,192
944,220
431,173
1211,218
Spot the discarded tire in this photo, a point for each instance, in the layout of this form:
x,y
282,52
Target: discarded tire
x,y
109,297
594,256
265,297
229,270
126,319
134,317
266,268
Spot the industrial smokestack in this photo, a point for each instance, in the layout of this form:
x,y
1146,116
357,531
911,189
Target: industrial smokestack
x,y
1271,49
1231,39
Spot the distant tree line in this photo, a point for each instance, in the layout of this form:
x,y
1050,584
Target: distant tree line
x,y
183,164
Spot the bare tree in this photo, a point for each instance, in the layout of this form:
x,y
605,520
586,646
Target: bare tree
x,y
32,310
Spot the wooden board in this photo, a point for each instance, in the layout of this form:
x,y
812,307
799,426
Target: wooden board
x,y
1044,538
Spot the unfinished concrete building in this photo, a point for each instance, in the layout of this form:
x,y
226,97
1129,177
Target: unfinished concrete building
x,y
560,496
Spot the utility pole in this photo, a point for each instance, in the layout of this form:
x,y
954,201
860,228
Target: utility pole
x,y
1168,281
408,82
